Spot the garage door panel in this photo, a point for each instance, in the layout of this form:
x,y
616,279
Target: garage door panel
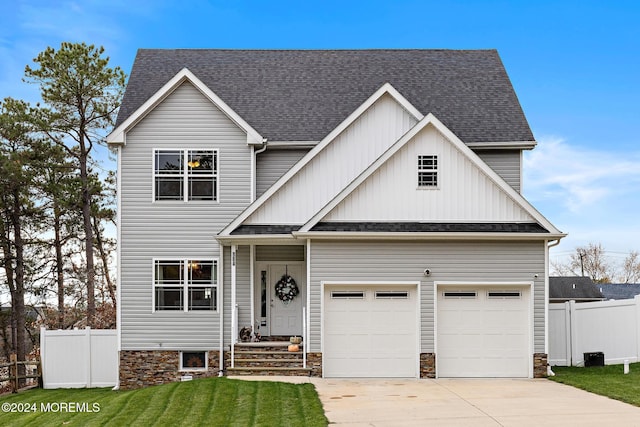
x,y
373,336
483,336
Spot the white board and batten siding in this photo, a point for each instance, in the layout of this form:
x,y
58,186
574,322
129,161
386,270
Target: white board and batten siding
x,y
175,229
464,192
336,165
376,261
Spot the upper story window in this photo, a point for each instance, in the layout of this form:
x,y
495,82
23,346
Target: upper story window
x,y
185,285
186,175
428,171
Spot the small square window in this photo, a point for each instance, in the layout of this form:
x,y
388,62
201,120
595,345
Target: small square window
x,y
427,171
193,361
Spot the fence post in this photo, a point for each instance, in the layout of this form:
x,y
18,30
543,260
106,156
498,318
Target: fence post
x,y
575,356
13,372
567,333
43,352
87,331
637,301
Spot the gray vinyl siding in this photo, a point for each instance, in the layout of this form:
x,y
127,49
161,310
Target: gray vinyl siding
x,y
272,164
175,229
405,261
506,163
280,253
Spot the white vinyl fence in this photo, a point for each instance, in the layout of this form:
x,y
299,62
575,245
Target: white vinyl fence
x,y
79,358
610,327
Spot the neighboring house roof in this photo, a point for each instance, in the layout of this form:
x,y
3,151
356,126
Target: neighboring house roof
x,y
575,288
620,290
302,95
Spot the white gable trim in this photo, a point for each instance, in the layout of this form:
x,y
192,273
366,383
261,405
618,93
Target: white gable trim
x,y
384,89
430,119
118,135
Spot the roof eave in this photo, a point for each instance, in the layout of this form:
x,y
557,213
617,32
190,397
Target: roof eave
x,y
508,145
262,238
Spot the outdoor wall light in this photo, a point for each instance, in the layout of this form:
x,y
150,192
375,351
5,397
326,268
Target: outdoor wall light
x,y
427,272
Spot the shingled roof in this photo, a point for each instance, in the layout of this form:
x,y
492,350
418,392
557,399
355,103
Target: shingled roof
x,y
577,288
301,95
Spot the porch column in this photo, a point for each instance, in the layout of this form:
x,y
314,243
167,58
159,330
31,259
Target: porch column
x,y
234,308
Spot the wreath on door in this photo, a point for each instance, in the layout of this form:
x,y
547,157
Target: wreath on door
x,y
286,288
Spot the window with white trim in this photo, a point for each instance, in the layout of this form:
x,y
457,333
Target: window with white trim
x,y
193,361
185,285
186,175
427,171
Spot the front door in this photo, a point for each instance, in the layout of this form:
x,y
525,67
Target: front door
x,y
285,306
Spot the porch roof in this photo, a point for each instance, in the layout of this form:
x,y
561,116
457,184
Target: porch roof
x,y
393,227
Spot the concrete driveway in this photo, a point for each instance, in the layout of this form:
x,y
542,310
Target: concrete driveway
x,y
465,402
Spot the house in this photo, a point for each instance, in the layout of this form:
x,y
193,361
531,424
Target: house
x,y
576,288
619,290
366,200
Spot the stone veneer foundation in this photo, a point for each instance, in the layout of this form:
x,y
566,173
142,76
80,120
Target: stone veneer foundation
x,y
142,368
314,361
427,365
539,365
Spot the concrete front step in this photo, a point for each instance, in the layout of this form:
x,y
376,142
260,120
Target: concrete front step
x,y
267,359
268,371
277,355
267,363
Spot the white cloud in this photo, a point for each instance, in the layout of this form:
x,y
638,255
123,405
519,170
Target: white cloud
x,y
579,178
591,194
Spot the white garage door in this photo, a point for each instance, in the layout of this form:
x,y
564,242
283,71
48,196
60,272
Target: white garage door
x,y
483,332
370,331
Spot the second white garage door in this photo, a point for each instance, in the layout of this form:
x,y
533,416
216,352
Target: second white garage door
x,y
370,331
483,332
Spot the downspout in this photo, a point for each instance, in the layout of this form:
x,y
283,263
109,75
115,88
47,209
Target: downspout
x,y
546,301
221,361
254,168
119,259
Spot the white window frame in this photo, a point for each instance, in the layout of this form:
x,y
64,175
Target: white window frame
x,y
186,173
183,368
424,167
185,283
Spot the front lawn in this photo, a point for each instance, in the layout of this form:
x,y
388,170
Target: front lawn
x,y
211,402
605,380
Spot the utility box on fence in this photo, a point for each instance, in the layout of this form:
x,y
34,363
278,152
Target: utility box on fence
x,y
594,359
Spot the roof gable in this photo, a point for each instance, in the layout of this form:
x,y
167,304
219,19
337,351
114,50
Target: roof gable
x,y
364,133
365,189
118,135
301,95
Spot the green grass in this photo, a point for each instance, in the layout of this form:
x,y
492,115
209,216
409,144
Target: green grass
x,y
210,402
604,380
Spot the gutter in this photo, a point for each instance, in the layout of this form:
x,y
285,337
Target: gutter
x,y
424,236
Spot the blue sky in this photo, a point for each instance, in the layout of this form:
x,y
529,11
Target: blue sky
x,y
575,66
